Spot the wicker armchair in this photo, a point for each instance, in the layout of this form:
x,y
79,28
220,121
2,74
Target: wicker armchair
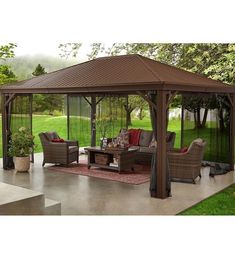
x,y
186,167
58,153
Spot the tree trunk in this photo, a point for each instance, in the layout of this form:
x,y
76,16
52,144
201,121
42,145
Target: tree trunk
x,y
167,118
195,119
128,118
204,118
129,110
198,118
140,115
221,120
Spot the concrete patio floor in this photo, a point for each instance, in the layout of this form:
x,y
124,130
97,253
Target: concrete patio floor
x,y
82,195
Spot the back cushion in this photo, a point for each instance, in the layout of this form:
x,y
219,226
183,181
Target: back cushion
x,y
145,138
51,135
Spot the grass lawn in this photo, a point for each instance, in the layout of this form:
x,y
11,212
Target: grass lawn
x,y
222,203
49,123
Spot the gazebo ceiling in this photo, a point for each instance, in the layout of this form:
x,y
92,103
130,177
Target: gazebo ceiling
x,y
126,73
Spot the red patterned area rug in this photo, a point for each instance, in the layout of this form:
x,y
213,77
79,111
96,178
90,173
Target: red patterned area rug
x,y
140,175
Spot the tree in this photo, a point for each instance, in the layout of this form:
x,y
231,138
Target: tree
x,y
39,70
46,102
7,51
6,75
134,101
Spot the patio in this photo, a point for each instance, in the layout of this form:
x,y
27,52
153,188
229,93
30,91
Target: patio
x,y
82,195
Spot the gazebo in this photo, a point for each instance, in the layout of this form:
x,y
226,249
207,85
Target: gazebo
x,y
120,76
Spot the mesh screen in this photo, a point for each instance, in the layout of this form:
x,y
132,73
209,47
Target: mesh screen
x,y
215,129
110,118
79,120
20,113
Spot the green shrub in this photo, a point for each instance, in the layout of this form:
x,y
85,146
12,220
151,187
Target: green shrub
x,y
21,143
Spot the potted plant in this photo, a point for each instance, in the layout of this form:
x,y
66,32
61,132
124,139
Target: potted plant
x,y
21,146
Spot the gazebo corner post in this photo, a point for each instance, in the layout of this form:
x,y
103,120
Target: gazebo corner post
x,y
182,125
93,120
232,132
161,154
4,142
7,161
126,103
68,115
31,120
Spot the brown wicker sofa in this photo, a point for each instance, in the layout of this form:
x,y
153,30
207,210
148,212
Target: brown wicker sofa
x,y
58,152
145,153
186,167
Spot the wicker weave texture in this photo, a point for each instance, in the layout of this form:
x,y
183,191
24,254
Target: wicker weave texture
x,y
59,153
187,166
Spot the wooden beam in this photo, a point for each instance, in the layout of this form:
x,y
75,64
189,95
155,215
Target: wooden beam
x,y
9,99
232,132
31,120
4,131
87,100
230,99
68,116
7,161
182,127
101,98
161,154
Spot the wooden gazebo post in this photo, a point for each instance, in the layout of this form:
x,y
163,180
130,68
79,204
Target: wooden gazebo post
x,y
232,132
161,145
6,111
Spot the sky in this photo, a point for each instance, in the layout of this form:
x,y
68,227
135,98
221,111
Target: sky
x,y
47,48
39,27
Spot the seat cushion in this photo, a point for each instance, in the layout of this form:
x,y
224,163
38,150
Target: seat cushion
x,y
145,138
134,147
73,149
147,150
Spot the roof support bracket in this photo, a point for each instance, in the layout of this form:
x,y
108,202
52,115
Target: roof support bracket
x,y
11,98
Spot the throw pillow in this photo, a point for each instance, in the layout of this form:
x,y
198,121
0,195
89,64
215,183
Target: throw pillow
x,y
123,138
153,142
57,140
184,150
134,136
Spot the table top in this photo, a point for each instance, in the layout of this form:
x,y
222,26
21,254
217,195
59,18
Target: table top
x,y
110,151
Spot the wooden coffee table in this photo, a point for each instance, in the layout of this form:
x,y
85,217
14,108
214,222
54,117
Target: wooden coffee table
x,y
125,158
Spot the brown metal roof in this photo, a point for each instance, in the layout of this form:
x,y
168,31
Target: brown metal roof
x,y
118,73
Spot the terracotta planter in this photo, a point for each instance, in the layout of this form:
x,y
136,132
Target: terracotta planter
x,y
22,164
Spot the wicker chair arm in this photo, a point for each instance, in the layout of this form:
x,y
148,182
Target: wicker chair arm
x,y
72,142
176,154
57,146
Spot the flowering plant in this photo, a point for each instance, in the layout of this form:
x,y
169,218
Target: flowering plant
x,y
21,143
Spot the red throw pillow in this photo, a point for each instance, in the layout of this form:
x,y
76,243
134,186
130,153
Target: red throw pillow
x,y
134,136
184,150
57,140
